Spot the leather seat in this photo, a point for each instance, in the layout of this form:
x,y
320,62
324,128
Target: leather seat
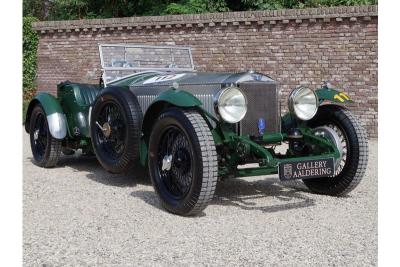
x,y
83,93
75,100
86,93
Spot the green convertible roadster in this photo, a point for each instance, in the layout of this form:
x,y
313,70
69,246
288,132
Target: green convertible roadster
x,y
189,129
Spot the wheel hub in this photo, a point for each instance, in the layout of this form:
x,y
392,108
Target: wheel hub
x,y
181,160
329,133
175,162
36,134
106,129
166,163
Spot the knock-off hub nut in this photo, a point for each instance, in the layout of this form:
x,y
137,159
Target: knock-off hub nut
x,y
106,129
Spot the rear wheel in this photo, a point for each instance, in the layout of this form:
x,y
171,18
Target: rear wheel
x,y
115,129
183,161
45,148
343,129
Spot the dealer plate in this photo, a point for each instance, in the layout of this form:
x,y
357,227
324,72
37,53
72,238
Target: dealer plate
x,y
306,169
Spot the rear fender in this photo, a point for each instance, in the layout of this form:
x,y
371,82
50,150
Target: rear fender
x,y
54,113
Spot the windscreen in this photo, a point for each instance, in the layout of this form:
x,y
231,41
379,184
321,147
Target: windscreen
x,y
119,61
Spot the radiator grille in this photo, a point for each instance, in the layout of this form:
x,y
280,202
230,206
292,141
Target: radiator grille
x,y
208,102
262,103
145,101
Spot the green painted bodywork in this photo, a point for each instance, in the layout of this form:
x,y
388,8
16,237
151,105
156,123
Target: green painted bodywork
x,y
268,161
233,149
73,100
178,98
326,96
76,107
172,97
332,96
49,103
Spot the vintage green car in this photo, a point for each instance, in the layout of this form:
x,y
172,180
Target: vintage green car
x,y
190,129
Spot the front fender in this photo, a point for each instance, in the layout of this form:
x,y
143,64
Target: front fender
x,y
330,96
168,98
326,96
54,113
178,98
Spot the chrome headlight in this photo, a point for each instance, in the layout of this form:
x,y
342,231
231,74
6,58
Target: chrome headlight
x,y
303,102
232,105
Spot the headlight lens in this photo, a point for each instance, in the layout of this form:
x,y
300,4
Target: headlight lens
x,y
303,102
232,105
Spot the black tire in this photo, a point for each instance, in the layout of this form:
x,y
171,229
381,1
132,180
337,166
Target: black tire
x,y
45,149
354,136
189,184
119,151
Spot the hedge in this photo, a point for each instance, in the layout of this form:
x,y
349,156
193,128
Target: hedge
x,y
30,41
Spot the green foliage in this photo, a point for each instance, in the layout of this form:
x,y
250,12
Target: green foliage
x,y
30,41
70,9
35,8
196,6
279,4
80,9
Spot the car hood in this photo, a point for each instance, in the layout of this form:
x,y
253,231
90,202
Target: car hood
x,y
192,78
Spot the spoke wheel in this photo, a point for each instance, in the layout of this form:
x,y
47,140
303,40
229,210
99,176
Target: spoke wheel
x,y
40,132
336,135
175,162
45,149
351,141
182,161
115,127
344,143
111,130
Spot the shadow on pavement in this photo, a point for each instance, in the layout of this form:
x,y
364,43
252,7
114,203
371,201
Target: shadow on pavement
x,y
95,172
242,194
275,195
237,193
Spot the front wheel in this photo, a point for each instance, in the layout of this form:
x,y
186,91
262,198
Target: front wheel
x,y
183,161
344,130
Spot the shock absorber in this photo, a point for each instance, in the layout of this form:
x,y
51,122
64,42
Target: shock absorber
x,y
296,142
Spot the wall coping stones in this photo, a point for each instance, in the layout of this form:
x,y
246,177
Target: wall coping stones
x,y
211,19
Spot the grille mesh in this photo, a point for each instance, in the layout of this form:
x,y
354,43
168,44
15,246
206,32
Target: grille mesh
x,y
262,103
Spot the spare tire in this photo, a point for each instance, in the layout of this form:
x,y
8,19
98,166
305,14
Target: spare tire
x,y
115,127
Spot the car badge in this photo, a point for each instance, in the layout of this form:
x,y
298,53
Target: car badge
x,y
261,126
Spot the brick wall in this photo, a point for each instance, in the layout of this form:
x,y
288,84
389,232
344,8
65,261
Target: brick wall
x,y
295,47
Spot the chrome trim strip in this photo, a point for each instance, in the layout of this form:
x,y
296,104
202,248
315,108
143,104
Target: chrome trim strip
x,y
90,115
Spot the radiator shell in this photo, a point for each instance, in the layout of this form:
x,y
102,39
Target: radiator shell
x,y
261,93
263,102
